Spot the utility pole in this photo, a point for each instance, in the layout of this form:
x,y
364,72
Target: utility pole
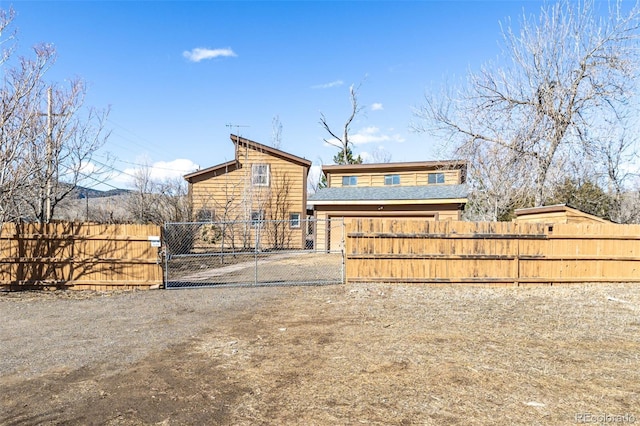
x,y
49,156
47,212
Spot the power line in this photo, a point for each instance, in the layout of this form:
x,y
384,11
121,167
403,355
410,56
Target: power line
x,y
111,168
141,164
151,144
101,182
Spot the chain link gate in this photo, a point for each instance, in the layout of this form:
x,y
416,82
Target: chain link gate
x,y
257,252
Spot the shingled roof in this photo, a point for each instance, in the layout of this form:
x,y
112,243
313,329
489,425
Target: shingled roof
x,y
389,193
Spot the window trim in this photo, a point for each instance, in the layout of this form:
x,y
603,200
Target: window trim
x,y
350,180
436,175
392,178
255,174
257,218
295,223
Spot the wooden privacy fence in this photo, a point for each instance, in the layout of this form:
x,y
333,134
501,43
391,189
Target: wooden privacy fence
x,y
418,251
78,256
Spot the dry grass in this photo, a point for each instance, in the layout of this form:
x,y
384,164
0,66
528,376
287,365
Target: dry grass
x,y
416,355
376,354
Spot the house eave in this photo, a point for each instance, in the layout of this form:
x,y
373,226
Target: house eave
x,y
224,168
387,202
383,167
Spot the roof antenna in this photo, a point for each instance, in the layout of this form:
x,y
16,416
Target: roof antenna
x,y
237,126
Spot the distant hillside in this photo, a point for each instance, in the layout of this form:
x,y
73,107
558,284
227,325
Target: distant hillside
x,y
82,192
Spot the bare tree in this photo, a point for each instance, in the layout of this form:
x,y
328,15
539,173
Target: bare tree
x,y
497,190
380,155
158,201
141,199
345,156
68,138
19,116
46,138
174,205
564,80
276,132
277,206
615,157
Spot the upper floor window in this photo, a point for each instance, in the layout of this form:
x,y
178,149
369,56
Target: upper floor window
x,y
436,177
392,180
260,174
349,180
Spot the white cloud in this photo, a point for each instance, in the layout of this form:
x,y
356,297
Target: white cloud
x,y
315,172
373,134
328,85
87,169
366,157
376,107
172,169
198,54
159,171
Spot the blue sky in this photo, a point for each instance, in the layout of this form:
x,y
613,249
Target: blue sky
x,y
291,59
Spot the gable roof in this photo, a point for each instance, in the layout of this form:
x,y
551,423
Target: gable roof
x,y
372,194
230,166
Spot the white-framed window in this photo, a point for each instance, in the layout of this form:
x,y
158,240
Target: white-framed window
x,y
349,180
257,217
392,179
260,174
436,178
294,220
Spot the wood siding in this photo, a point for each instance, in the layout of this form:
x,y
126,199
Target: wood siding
x,y
349,213
413,178
557,215
79,256
231,196
420,251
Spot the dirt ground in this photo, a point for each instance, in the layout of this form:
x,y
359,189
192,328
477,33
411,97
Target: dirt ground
x,y
365,354
291,267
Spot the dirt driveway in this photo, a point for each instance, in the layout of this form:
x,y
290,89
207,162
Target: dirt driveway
x,y
366,354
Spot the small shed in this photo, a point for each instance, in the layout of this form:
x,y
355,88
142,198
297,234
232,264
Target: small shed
x,y
559,213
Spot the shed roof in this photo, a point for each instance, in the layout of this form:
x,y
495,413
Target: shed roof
x,y
235,164
556,208
239,140
450,193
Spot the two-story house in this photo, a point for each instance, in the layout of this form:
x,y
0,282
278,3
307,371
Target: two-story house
x,y
434,190
261,187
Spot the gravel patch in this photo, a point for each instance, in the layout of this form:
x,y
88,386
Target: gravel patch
x,y
46,330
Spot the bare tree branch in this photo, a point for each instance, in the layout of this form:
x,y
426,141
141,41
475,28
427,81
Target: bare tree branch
x,y
343,142
564,82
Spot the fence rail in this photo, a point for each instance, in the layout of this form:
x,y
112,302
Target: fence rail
x,y
78,256
417,251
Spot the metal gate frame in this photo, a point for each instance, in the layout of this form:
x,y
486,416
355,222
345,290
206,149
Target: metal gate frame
x,y
252,253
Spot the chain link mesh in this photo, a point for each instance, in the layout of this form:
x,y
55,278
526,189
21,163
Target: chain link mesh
x,y
258,252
